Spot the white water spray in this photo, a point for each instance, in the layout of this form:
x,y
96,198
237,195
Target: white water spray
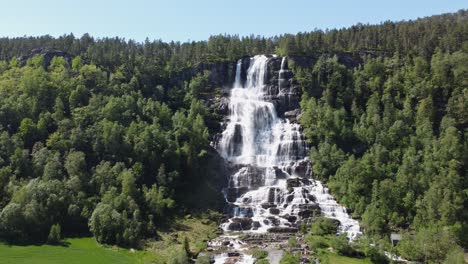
x,y
270,186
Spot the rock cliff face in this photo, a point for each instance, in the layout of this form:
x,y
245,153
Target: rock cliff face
x,y
222,74
269,187
283,89
268,168
48,55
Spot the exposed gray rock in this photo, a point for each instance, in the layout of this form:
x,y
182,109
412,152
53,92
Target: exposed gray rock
x,y
292,115
239,224
274,211
234,192
308,210
48,54
278,229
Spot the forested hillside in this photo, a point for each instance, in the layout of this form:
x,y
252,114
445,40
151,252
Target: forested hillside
x,y
389,138
98,151
112,136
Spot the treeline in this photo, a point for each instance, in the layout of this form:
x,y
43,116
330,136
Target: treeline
x,y
85,150
389,138
419,37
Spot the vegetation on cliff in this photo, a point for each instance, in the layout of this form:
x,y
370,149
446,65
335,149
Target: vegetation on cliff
x,y
389,138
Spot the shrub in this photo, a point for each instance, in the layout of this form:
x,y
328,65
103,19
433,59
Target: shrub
x,y
260,254
375,256
341,245
289,258
455,256
203,260
292,242
54,234
324,226
317,242
178,256
262,261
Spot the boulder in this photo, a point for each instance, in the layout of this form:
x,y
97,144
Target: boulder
x,y
289,198
274,211
233,254
273,220
302,169
292,115
311,198
256,225
240,224
293,182
223,106
308,210
290,218
234,192
279,173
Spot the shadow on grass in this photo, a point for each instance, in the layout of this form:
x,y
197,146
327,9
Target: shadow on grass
x,y
62,243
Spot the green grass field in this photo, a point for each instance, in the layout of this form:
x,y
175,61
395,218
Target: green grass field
x,y
332,258
79,250
198,230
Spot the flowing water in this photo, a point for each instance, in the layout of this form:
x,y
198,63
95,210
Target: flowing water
x,y
270,189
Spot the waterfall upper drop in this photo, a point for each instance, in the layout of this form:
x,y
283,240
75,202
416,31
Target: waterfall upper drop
x,y
270,188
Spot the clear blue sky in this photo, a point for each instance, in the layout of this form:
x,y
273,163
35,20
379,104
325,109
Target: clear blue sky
x,y
183,20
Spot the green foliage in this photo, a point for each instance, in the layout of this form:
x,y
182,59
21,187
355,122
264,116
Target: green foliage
x,y
292,242
76,251
199,85
92,150
341,245
432,243
54,234
385,140
203,260
376,256
186,246
455,256
324,226
317,241
289,258
178,256
260,254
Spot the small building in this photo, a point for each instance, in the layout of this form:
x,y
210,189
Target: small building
x,y
395,238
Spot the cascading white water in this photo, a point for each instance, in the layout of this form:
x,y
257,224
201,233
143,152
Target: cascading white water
x,y
281,73
270,186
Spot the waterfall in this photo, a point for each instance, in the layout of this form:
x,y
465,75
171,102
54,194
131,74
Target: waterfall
x,y
270,189
237,81
281,73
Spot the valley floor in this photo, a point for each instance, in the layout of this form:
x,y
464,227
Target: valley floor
x,y
197,230
73,251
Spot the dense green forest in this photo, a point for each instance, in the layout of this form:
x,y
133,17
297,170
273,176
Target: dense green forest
x,y
110,139
389,138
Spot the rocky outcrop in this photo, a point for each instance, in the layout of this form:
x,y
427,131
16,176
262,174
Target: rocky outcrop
x,y
308,210
48,54
232,193
292,115
296,182
239,224
221,73
278,229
